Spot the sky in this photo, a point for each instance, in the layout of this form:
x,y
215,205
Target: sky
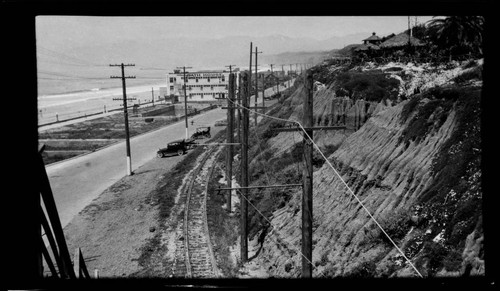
x,y
317,27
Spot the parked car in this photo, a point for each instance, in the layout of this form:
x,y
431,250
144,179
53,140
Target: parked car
x,y
201,132
222,122
178,147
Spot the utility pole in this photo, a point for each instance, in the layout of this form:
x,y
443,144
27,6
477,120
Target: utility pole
x,y
230,133
230,68
272,73
153,96
307,178
238,119
244,170
185,98
263,97
125,111
256,84
250,72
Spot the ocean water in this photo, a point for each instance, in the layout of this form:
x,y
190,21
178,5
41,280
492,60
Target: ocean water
x,y
53,107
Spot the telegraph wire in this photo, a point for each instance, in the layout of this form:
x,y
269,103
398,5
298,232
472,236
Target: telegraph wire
x,y
345,184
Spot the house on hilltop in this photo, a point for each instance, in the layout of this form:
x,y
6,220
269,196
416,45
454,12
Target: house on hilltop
x,y
373,39
401,40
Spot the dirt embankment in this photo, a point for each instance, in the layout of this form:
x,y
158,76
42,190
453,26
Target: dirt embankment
x,y
397,164
112,230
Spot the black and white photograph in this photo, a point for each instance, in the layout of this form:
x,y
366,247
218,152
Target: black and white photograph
x,y
205,147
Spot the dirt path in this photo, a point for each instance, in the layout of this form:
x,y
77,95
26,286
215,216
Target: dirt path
x,y
113,228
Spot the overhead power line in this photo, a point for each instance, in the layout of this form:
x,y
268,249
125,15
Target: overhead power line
x,y
340,177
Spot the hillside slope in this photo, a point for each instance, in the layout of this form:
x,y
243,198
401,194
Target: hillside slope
x,y
412,159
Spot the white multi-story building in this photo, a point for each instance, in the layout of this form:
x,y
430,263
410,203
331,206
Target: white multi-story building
x,y
206,85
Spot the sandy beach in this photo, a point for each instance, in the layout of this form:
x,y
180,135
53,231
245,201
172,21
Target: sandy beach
x,y
68,105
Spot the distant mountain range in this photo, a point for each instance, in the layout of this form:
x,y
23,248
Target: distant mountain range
x,y
87,54
172,52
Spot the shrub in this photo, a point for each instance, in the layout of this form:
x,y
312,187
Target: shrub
x,y
371,85
436,253
453,261
364,270
396,225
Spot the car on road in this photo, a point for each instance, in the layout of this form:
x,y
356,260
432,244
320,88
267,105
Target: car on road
x,y
177,147
201,132
222,122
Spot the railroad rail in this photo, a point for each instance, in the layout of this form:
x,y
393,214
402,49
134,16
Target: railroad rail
x,y
194,253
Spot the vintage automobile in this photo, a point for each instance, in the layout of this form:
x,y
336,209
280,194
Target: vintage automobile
x,y
222,122
178,147
201,132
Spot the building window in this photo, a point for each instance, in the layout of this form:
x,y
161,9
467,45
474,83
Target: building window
x,y
208,80
171,80
196,80
201,96
223,79
171,88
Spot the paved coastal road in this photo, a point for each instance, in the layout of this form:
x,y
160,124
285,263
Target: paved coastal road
x,y
76,182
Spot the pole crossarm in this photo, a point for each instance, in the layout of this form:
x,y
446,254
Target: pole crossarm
x,y
121,99
218,144
309,128
258,107
262,187
119,77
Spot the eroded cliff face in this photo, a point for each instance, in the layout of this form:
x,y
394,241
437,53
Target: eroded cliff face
x,y
388,173
329,110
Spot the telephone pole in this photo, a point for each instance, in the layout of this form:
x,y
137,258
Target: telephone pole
x,y
153,96
185,98
238,119
244,170
125,111
230,68
307,178
230,133
256,84
263,97
272,73
250,72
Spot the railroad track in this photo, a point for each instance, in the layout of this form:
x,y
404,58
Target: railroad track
x,y
194,255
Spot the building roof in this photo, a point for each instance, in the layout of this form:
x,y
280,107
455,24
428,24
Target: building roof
x,y
365,47
401,40
373,37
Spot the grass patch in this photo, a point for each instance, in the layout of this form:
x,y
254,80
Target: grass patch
x,y
427,116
